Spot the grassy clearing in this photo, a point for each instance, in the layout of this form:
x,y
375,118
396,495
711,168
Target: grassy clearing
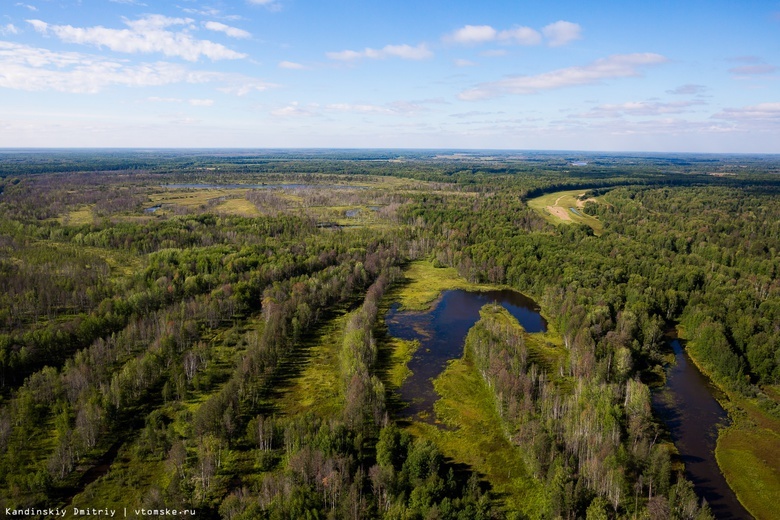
x,y
192,198
749,457
424,283
78,217
556,208
748,454
240,207
318,389
474,435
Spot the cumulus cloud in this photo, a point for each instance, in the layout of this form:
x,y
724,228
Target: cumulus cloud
x,y
148,34
233,32
521,36
201,102
8,29
471,34
407,52
616,66
557,34
23,67
561,32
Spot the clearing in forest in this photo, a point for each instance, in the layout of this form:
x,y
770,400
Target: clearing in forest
x,y
566,207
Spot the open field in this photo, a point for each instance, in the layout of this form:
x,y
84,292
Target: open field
x,y
78,216
565,207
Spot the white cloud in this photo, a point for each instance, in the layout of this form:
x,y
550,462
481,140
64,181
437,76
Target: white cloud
x,y
464,63
688,89
639,108
561,32
271,5
233,32
157,99
291,65
201,102
750,70
145,35
493,53
521,36
407,52
295,110
239,85
471,34
23,67
558,34
28,6
362,109
762,111
616,66
8,29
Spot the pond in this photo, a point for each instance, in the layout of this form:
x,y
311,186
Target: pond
x,y
442,331
692,414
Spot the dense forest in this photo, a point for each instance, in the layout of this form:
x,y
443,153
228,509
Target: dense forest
x,y
204,330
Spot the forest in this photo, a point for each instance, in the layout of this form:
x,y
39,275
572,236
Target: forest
x,y
204,330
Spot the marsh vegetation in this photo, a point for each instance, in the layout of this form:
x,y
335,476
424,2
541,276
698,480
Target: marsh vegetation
x,y
228,352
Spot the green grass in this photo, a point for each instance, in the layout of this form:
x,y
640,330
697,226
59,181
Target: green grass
x,y
240,207
474,435
473,432
78,217
555,208
318,389
424,284
750,460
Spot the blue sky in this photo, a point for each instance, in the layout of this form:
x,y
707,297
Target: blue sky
x,y
684,76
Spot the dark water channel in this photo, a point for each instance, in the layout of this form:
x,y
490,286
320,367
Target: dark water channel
x,y
693,416
441,332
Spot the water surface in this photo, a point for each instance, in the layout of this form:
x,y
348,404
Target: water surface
x,y
441,332
688,407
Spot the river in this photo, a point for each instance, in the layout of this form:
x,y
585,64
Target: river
x,y
688,407
686,404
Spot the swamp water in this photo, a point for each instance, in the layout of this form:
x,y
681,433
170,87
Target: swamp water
x,y
442,331
688,408
686,404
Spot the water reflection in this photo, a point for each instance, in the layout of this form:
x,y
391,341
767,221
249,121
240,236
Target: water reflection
x,y
693,416
441,332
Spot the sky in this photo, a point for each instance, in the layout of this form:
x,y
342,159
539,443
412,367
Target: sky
x,y
660,76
